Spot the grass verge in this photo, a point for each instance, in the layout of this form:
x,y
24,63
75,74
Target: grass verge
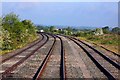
x,y
109,41
20,46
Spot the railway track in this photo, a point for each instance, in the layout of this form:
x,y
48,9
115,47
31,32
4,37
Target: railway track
x,y
114,61
6,57
10,64
116,54
105,64
47,58
43,67
62,64
112,55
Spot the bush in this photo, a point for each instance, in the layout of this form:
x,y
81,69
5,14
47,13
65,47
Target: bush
x,y
116,30
15,32
106,30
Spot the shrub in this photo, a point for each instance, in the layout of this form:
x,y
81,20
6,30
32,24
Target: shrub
x,y
16,32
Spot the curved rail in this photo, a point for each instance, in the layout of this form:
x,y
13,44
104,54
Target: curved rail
x,y
42,66
62,63
4,60
102,69
110,51
114,53
14,66
117,65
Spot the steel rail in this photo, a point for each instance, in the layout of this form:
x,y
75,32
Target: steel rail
x,y
13,67
102,69
117,65
110,51
21,51
62,63
43,65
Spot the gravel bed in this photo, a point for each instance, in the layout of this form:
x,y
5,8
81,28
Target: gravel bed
x,y
25,70
106,53
73,69
102,61
95,73
52,69
78,65
113,57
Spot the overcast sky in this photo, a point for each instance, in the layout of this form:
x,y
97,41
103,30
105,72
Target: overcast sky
x,y
97,14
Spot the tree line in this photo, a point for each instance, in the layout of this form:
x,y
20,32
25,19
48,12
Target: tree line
x,y
78,32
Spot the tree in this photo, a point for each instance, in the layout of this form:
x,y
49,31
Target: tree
x,y
106,29
1,33
39,27
98,31
29,26
9,21
10,25
69,30
116,30
15,32
52,28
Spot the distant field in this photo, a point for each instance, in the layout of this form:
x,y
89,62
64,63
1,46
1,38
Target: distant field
x,y
109,41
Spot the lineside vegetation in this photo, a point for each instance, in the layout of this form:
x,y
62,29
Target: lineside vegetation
x,y
15,33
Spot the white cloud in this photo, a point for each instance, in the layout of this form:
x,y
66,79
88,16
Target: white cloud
x,y
60,0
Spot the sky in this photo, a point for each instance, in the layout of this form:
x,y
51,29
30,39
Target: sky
x,y
60,0
97,14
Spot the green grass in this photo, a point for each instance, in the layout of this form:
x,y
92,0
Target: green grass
x,y
110,41
33,38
